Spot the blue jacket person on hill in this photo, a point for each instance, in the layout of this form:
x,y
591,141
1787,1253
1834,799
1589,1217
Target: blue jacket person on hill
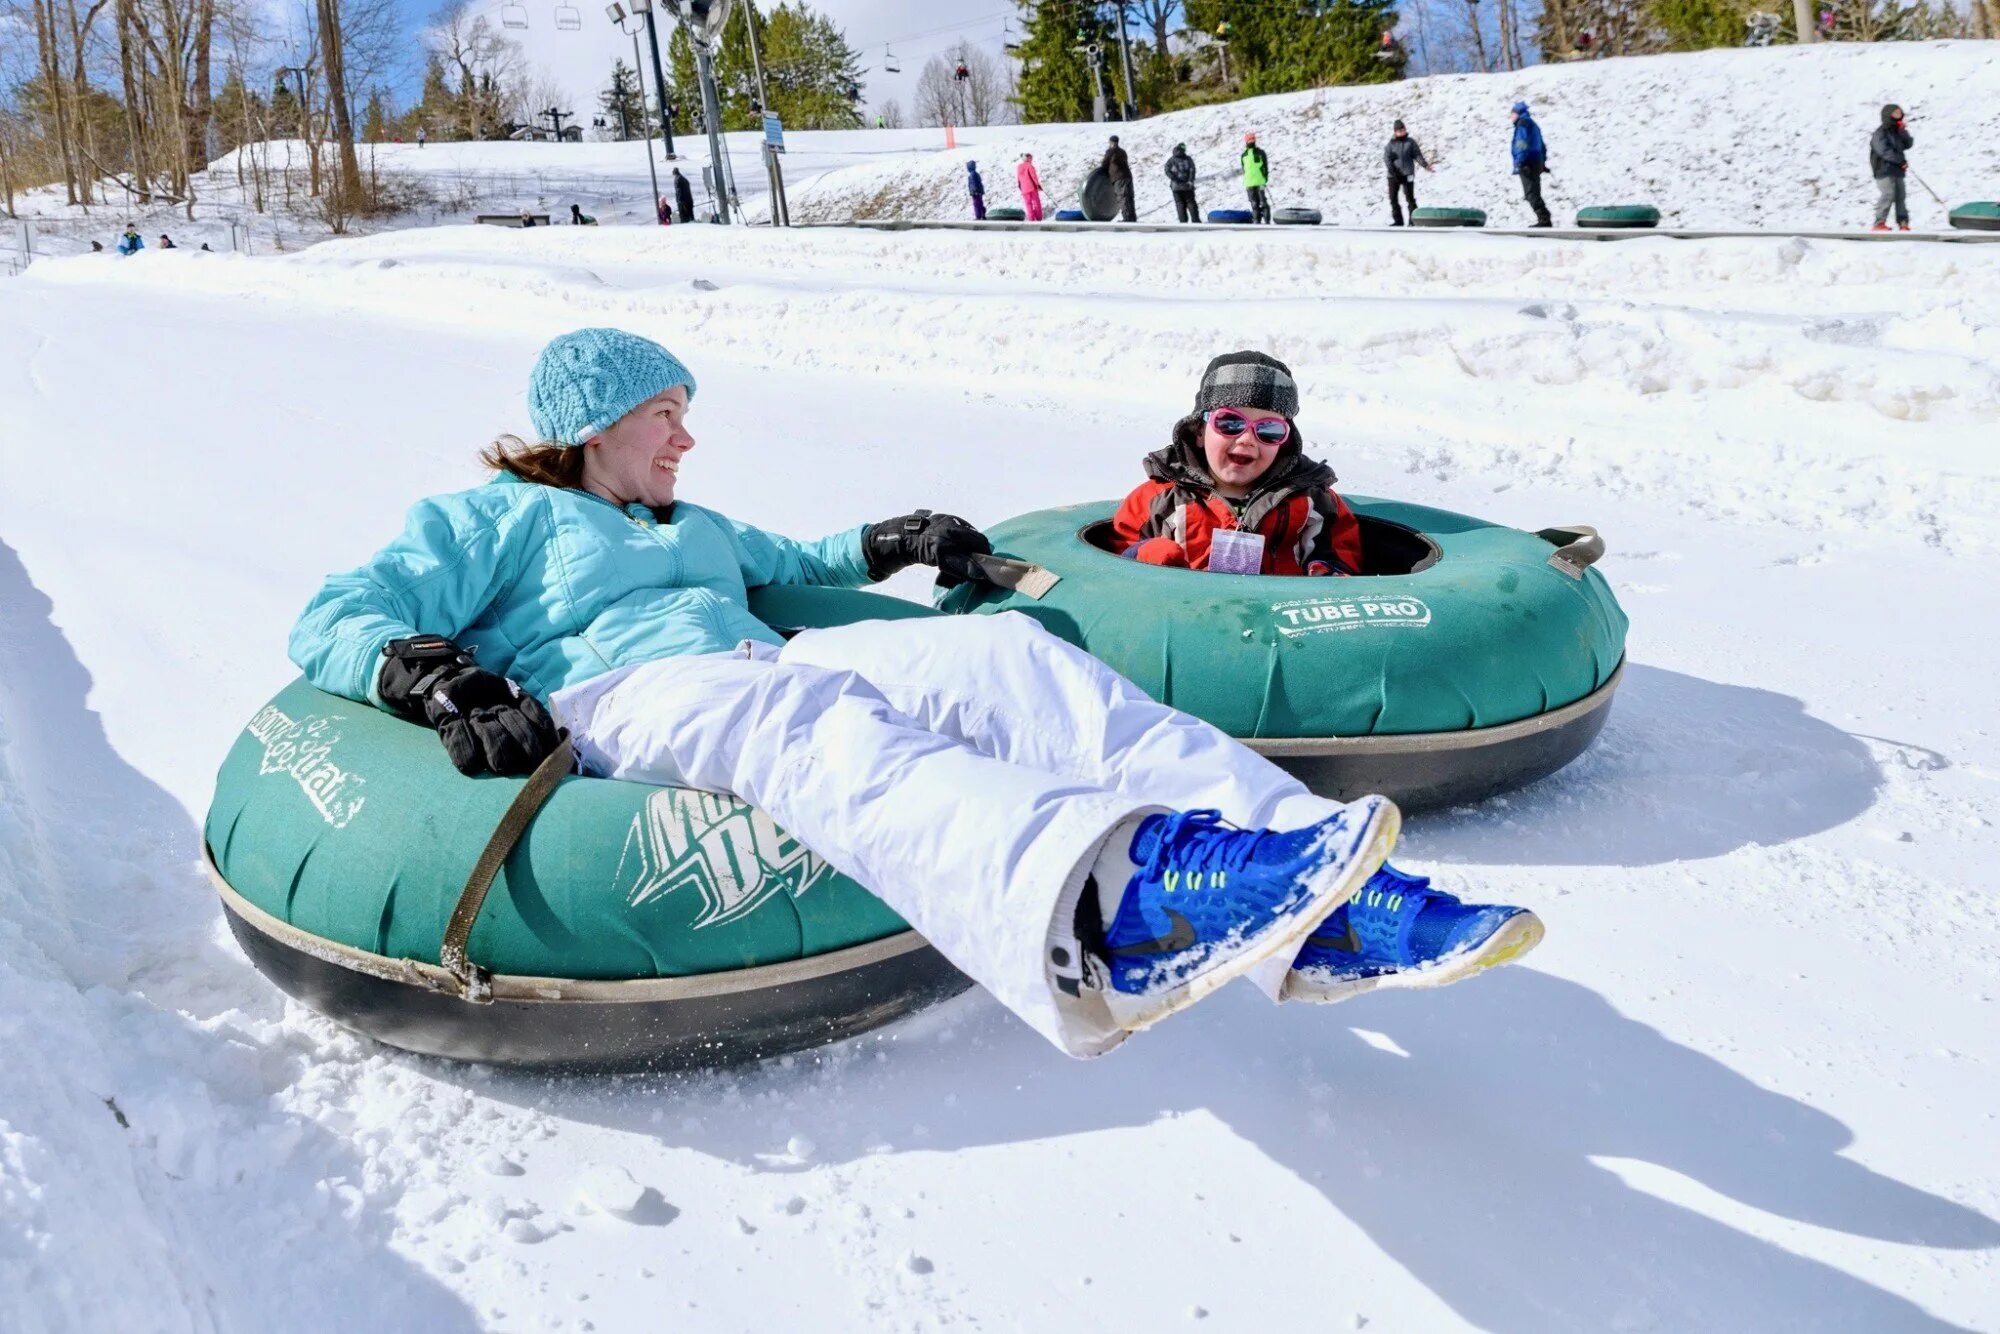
x,y
1531,159
131,243
977,189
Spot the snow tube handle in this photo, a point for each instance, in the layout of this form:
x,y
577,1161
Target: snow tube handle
x,y
1578,547
471,982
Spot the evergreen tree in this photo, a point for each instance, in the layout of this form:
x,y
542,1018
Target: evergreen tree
x,y
812,75
1279,46
1056,83
286,120
685,95
375,118
622,102
437,109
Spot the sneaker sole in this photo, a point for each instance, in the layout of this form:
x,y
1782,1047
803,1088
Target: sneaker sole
x,y
1520,934
1376,839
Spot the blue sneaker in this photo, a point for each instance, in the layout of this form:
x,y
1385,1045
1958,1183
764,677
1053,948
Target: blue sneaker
x,y
1397,931
1207,902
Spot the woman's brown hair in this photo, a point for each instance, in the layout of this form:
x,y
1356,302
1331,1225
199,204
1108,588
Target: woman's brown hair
x,y
546,463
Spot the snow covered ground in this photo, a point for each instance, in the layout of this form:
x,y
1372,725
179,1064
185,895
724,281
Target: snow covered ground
x,y
1748,1083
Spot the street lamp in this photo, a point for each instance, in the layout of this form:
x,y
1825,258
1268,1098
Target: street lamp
x,y
616,13
644,8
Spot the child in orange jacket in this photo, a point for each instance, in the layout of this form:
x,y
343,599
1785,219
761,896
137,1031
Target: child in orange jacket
x,y
1234,492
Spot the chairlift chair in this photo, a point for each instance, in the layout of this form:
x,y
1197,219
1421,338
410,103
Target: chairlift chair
x,y
568,19
513,16
889,65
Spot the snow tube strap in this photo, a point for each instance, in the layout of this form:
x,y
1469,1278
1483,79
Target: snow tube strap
x,y
473,983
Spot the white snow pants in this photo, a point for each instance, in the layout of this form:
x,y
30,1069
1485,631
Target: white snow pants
x,y
966,769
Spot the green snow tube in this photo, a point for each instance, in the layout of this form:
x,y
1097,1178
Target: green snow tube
x,y
630,926
1296,217
1006,215
1981,217
1447,217
1618,216
1466,659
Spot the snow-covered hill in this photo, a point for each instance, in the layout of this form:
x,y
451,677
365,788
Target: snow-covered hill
x,y
1747,1084
1752,138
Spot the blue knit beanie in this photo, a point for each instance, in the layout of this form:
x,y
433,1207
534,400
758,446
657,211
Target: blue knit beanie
x,y
586,380
1520,108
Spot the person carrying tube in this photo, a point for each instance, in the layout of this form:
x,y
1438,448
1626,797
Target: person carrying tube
x,y
1403,156
579,611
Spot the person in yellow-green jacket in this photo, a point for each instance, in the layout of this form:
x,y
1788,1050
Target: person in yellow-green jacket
x,y
1256,176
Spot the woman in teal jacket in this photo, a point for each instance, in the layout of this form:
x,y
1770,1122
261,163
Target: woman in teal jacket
x,y
1050,829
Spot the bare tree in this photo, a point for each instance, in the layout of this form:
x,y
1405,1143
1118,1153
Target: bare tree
x,y
532,94
891,113
1157,15
980,98
480,55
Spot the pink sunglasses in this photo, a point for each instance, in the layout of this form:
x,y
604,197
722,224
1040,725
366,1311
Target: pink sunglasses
x,y
1270,430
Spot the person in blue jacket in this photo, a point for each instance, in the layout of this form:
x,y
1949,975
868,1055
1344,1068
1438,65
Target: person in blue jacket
x,y
977,189
131,243
1054,832
1531,162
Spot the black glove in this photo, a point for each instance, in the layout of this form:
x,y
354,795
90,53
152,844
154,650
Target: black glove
x,y
487,723
924,538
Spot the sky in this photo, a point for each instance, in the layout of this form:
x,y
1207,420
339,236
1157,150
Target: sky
x,y
915,29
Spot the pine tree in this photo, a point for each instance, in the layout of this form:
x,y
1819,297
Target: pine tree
x,y
375,118
621,100
1056,83
437,110
1278,46
812,75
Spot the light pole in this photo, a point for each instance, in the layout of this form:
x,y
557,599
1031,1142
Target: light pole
x,y
1131,104
644,8
617,14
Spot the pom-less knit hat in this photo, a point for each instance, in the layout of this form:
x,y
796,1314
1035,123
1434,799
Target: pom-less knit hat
x,y
586,380
1248,380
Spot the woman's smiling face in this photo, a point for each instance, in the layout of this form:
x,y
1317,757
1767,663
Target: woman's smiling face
x,y
638,457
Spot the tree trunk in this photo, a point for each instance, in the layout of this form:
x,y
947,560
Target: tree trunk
x,y
134,130
1802,15
1479,37
349,182
80,129
204,98
52,88
1506,32
1558,21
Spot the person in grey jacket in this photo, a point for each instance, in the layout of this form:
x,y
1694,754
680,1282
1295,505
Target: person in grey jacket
x,y
1403,156
1886,159
1180,179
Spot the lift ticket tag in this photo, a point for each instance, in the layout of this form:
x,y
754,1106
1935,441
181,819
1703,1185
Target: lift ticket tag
x,y
1234,552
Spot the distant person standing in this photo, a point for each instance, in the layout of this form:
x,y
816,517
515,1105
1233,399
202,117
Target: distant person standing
x,y
1119,168
683,197
1403,156
1531,161
131,243
1886,159
423,136
1180,180
1030,182
977,189
1256,179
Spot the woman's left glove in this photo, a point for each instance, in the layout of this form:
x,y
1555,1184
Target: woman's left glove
x,y
924,538
487,723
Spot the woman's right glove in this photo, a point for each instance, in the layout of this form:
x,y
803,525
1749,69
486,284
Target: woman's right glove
x,y
487,723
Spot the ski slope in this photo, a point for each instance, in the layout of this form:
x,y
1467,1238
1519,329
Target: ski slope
x,y
1747,1083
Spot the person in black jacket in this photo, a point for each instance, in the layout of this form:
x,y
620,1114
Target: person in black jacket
x,y
683,196
1119,168
1886,160
1403,156
1180,179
